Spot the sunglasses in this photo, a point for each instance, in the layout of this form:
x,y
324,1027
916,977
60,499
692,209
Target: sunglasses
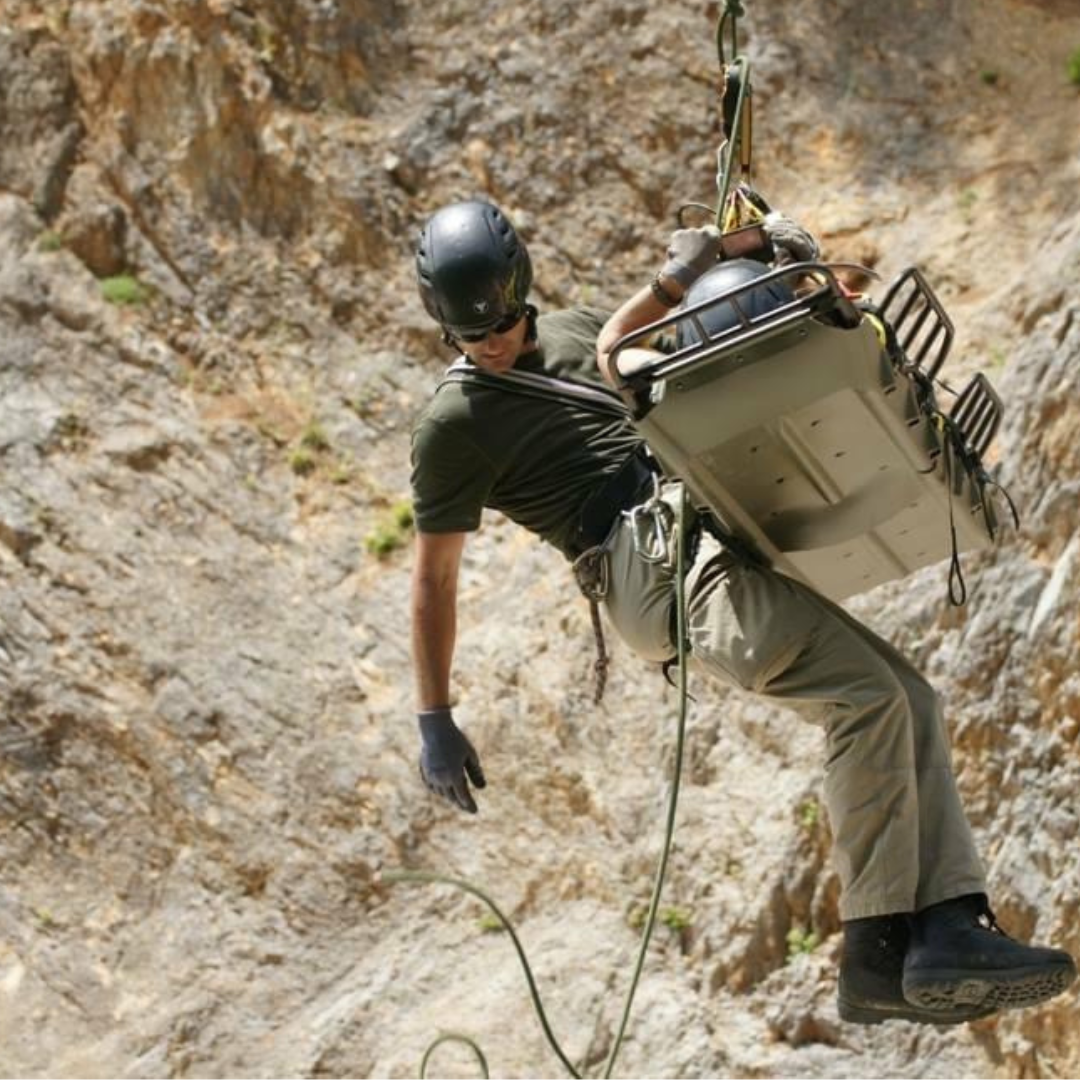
x,y
473,337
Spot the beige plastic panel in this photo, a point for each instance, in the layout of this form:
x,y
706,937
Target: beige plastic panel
x,y
809,444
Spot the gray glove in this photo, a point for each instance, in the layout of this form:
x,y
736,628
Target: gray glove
x,y
690,253
446,757
791,241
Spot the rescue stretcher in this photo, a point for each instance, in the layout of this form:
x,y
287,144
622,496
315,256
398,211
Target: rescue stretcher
x,y
812,432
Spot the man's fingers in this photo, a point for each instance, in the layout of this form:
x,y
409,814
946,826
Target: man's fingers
x,y
476,773
454,790
462,795
427,780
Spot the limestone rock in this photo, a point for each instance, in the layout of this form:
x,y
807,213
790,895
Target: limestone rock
x,y
207,749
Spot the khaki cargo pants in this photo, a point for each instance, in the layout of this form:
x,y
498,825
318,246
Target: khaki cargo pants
x,y
901,839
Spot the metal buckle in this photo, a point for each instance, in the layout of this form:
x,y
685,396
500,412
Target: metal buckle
x,y
651,545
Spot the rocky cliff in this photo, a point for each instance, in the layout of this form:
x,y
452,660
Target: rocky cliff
x,y
211,352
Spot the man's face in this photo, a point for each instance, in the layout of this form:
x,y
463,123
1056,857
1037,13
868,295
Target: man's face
x,y
496,352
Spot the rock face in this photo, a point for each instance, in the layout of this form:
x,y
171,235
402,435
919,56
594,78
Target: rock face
x,y
210,354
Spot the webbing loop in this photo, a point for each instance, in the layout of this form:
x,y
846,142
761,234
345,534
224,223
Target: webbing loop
x,y
734,10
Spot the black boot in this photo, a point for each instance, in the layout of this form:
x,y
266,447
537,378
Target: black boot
x,y
959,956
871,977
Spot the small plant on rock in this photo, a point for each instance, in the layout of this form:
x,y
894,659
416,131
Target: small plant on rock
x,y
676,918
1073,67
314,437
800,941
392,532
125,289
302,461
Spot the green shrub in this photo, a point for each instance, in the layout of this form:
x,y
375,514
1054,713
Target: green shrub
x,y
402,514
302,461
342,473
314,437
125,289
809,814
676,918
391,532
1073,67
801,941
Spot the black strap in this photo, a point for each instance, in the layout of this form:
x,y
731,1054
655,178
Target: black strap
x,y
530,384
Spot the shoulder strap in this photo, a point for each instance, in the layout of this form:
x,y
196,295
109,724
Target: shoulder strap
x,y
534,385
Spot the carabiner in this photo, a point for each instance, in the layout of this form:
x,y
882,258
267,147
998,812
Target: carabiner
x,y
651,544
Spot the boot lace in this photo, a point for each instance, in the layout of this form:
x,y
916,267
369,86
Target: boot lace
x,y
894,936
988,920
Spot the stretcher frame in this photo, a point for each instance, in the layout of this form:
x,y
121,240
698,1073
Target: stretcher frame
x,y
809,432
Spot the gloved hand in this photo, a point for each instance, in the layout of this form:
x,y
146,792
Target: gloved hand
x,y
446,757
690,253
791,241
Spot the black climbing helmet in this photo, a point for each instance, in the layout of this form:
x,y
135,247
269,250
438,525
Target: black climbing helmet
x,y
725,277
473,270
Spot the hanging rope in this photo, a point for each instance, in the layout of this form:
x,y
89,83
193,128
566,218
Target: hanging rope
x,y
425,877
676,772
735,112
737,131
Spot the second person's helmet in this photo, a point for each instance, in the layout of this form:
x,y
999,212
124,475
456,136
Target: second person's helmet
x,y
725,277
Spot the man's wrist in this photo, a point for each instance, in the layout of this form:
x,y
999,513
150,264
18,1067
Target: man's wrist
x,y
667,290
434,711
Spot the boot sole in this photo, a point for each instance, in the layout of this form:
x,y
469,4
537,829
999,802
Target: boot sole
x,y
950,989
878,1014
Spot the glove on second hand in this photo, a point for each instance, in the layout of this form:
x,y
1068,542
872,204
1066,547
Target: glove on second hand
x,y
690,253
446,757
791,241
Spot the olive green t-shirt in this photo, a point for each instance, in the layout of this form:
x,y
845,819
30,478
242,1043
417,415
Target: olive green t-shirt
x,y
535,459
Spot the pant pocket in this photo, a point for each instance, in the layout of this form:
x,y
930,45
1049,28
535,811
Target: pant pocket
x,y
748,623
640,597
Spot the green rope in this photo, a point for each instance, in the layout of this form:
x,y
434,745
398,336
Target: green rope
x,y
441,879
734,10
454,1037
676,775
731,148
423,876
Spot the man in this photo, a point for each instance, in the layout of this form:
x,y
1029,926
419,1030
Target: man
x,y
920,942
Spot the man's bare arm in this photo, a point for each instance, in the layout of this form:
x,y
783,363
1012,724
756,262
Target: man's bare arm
x,y
690,253
434,614
641,309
